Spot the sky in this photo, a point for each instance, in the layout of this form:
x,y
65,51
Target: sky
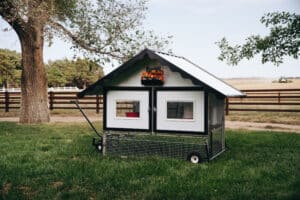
x,y
195,26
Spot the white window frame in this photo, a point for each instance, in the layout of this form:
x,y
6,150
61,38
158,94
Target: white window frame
x,y
127,118
180,101
112,122
197,124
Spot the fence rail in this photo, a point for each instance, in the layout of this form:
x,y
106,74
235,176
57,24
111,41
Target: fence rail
x,y
57,100
265,100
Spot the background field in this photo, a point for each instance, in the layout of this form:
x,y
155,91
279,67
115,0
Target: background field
x,y
270,117
262,83
57,161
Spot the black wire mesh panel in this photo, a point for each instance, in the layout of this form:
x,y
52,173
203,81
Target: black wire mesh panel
x,y
216,124
130,145
217,146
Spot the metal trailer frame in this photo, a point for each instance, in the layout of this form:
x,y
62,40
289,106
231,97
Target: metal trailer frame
x,y
194,148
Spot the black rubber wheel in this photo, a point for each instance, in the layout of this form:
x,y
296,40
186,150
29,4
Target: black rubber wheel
x,y
99,146
194,157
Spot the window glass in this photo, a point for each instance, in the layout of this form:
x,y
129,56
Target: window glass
x,y
128,109
180,110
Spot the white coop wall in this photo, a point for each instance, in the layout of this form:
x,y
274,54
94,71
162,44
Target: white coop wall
x,y
195,125
142,122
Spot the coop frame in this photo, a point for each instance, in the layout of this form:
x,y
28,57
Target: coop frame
x,y
212,138
181,76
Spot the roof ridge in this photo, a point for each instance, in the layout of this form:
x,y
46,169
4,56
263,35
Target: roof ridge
x,y
169,54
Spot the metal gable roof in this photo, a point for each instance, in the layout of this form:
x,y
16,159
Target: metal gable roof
x,y
201,74
181,63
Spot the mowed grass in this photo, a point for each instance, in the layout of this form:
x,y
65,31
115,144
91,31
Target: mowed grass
x,y
57,161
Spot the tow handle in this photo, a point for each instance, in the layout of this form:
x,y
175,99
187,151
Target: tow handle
x,y
87,119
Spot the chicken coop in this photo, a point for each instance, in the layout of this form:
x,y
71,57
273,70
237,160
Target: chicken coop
x,y
162,104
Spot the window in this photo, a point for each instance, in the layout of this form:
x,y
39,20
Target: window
x,y
180,110
128,109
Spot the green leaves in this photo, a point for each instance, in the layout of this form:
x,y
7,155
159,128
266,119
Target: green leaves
x,y
80,72
109,30
106,30
229,54
283,40
10,67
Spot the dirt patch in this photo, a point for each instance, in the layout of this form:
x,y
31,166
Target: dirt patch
x,y
5,189
56,184
273,127
292,118
229,124
262,126
55,119
73,119
27,191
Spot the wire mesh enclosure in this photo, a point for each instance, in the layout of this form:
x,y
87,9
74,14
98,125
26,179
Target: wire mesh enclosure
x,y
217,141
166,146
216,124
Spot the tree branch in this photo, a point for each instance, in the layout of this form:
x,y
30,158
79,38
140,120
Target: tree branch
x,y
75,39
9,12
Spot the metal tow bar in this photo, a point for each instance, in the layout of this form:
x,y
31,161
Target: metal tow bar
x,y
97,143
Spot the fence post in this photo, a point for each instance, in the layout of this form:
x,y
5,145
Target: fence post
x,y
97,103
227,106
51,100
278,97
6,101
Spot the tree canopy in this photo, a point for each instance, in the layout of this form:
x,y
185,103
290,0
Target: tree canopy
x,y
79,72
283,40
10,68
105,30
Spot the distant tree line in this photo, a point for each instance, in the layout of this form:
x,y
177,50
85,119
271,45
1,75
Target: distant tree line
x,y
10,68
79,72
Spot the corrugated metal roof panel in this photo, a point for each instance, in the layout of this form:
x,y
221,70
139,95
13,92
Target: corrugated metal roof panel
x,y
201,74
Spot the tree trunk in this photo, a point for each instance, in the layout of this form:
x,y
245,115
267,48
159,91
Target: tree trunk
x,y
34,94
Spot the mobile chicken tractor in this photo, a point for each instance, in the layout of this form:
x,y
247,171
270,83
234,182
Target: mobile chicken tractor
x,y
162,104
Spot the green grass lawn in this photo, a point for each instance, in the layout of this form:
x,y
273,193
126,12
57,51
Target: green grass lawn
x,y
57,161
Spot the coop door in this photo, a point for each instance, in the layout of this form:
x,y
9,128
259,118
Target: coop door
x,y
181,111
127,109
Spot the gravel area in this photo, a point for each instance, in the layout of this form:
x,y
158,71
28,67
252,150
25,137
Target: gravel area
x,y
262,126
